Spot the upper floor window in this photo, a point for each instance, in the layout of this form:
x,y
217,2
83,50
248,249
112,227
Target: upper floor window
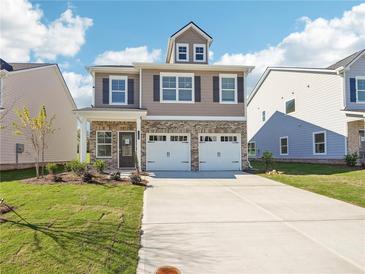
x,y
319,142
360,89
182,52
118,90
284,146
263,116
290,106
228,88
177,88
199,53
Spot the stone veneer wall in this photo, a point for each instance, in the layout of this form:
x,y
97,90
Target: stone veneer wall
x,y
194,128
353,142
114,127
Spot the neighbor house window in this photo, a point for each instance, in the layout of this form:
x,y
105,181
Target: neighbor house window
x,y
118,90
263,116
103,144
199,53
177,88
319,142
290,106
360,89
251,149
182,52
228,88
284,146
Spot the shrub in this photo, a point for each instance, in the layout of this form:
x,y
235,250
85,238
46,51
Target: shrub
x,y
351,159
268,159
76,166
99,165
115,176
51,168
87,177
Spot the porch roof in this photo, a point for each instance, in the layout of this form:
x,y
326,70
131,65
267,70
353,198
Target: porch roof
x,y
110,114
354,115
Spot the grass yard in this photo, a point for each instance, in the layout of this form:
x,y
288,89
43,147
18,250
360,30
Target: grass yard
x,y
84,228
339,182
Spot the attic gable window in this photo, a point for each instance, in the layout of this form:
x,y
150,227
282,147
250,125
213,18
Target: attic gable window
x,y
182,52
199,52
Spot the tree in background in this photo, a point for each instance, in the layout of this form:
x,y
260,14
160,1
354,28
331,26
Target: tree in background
x,y
36,130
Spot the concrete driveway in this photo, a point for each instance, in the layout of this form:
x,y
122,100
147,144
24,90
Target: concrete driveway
x,y
225,222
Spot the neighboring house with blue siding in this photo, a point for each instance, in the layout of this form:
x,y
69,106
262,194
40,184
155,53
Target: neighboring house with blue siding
x,y
309,114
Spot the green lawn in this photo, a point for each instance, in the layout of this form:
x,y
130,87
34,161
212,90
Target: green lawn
x,y
69,228
339,182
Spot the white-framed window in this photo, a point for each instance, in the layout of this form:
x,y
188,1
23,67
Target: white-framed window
x,y
228,88
157,138
199,53
228,138
360,89
252,149
177,87
103,144
263,116
290,106
319,143
207,138
284,145
182,52
178,138
118,90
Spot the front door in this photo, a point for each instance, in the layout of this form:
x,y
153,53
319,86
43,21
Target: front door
x,y
127,149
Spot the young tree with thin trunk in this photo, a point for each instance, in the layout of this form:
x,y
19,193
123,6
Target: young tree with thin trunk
x,y
36,130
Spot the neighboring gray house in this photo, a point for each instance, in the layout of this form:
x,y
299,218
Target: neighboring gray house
x,y
185,114
309,114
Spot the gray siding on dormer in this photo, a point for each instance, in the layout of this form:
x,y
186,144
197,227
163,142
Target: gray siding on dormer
x,y
99,90
191,37
357,69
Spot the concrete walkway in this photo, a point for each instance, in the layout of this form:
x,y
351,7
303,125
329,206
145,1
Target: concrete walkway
x,y
225,222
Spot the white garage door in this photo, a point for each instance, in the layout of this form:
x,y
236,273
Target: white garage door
x,y
168,151
220,152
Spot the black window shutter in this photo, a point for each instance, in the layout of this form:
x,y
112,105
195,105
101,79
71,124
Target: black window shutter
x,y
215,89
240,90
352,90
105,90
130,91
197,89
156,87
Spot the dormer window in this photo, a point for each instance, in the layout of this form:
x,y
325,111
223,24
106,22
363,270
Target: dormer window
x,y
199,52
182,52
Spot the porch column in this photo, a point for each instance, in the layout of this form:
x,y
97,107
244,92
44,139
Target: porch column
x,y
83,141
139,155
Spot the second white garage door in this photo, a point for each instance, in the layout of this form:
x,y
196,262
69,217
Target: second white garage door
x,y
220,152
168,151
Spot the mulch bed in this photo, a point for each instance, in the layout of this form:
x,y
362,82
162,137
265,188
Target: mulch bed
x,y
71,178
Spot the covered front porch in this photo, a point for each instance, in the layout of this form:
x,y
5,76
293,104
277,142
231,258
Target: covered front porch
x,y
356,133
115,136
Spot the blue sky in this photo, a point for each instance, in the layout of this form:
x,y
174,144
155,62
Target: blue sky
x,y
244,32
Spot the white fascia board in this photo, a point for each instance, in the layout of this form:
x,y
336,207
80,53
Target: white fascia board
x,y
112,69
204,67
106,115
269,69
195,118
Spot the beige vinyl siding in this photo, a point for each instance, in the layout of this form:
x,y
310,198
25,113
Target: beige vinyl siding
x,y
99,90
204,108
34,88
191,37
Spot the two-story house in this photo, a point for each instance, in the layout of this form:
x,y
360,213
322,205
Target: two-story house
x,y
184,114
309,114
32,85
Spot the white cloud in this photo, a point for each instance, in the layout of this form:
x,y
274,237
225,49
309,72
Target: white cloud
x,y
81,88
128,56
321,43
211,55
24,34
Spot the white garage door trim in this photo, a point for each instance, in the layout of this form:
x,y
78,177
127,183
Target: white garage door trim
x,y
218,140
149,158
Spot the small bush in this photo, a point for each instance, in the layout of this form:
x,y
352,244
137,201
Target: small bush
x,y
76,166
51,168
115,176
268,159
99,165
87,177
351,159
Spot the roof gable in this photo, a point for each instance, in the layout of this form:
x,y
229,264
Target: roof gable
x,y
347,61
